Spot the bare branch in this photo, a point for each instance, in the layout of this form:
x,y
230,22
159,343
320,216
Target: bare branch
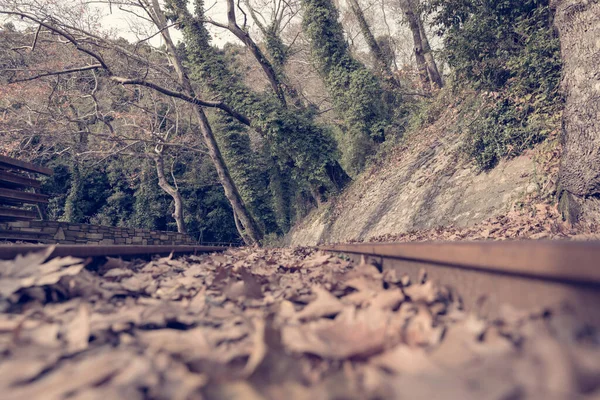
x,y
52,73
194,100
61,32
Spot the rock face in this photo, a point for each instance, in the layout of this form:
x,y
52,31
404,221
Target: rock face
x,y
428,184
578,24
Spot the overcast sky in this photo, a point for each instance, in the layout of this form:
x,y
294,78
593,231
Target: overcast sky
x,y
122,23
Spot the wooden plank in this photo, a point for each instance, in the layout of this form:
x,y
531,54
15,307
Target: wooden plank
x,y
25,166
11,180
15,213
24,197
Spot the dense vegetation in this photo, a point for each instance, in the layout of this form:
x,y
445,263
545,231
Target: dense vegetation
x,y
508,48
285,151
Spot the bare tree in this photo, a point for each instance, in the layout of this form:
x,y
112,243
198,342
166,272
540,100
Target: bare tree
x,y
241,212
94,45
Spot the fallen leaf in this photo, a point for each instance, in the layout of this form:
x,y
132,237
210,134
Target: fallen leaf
x,y
324,305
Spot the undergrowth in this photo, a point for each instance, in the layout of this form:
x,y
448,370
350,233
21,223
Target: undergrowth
x,y
509,52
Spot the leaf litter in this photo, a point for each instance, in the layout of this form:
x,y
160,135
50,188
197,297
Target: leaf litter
x,y
255,323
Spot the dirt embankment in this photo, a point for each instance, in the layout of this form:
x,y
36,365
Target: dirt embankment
x,y
427,183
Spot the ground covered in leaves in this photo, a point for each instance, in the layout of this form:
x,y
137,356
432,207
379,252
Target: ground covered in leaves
x,y
535,221
271,324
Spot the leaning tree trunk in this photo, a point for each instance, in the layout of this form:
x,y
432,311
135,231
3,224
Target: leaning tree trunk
x,y
380,61
251,229
170,190
578,24
413,23
432,69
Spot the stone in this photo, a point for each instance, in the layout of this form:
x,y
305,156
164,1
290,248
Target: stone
x,y
128,241
95,236
20,224
30,230
107,241
74,228
60,234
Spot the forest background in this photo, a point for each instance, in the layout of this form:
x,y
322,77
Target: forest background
x,y
237,142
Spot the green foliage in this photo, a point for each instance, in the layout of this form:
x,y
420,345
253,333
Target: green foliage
x,y
124,192
248,170
506,128
302,150
509,49
356,92
86,193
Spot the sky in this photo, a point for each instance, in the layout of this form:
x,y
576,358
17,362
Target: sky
x,y
122,22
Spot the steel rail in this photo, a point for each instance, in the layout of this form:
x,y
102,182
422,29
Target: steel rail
x,y
524,274
8,252
552,260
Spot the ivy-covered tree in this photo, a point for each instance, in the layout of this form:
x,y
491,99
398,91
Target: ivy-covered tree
x,y
293,139
356,92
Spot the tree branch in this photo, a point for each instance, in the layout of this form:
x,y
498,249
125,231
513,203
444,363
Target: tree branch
x,y
52,73
182,96
60,32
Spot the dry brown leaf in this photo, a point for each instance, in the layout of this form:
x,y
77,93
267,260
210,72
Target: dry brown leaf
x,y
425,292
77,331
28,271
419,329
317,260
117,273
351,334
73,375
188,343
324,305
405,359
259,347
387,299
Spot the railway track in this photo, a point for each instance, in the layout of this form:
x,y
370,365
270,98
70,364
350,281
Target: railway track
x,y
487,275
490,275
8,252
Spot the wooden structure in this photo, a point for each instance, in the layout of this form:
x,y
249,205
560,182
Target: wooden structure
x,y
18,196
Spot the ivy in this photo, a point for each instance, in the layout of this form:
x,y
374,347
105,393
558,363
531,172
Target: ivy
x,y
355,91
507,48
304,150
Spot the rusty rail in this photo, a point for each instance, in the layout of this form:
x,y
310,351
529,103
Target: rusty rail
x,y
8,252
524,274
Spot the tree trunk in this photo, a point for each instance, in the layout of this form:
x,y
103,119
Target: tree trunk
x,y
240,228
413,24
249,224
171,191
256,52
578,24
380,61
432,69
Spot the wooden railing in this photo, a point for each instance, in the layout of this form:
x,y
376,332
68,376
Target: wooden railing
x,y
18,196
